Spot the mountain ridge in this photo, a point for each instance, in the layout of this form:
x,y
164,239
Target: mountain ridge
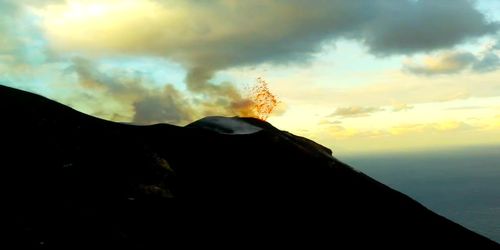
x,y
73,180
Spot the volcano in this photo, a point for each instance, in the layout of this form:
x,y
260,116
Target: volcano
x,y
73,181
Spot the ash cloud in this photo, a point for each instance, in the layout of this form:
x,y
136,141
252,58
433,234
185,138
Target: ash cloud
x,y
162,106
150,105
159,104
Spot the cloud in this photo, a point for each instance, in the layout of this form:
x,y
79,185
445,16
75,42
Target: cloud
x,y
409,137
489,62
228,33
437,127
7,11
27,62
160,107
339,131
148,104
445,63
207,37
328,122
404,27
23,45
354,111
397,106
401,129
496,46
451,62
12,25
153,104
465,108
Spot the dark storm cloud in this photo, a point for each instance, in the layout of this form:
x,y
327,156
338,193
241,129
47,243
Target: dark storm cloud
x,y
287,31
405,27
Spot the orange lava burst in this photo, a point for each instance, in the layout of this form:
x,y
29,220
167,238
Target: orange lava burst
x,y
263,100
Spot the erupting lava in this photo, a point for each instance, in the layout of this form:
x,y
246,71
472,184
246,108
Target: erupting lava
x,y
263,100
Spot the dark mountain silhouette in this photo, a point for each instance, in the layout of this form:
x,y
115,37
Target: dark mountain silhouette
x,y
73,181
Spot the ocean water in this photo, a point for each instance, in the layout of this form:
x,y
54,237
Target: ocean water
x,y
461,184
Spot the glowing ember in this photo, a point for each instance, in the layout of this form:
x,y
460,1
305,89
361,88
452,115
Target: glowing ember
x,y
263,100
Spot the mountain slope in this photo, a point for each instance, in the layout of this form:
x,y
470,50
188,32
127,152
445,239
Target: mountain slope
x,y
74,181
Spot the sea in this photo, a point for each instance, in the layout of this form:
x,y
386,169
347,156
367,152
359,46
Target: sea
x,y
461,184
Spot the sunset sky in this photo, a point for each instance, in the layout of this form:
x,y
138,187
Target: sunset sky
x,y
357,76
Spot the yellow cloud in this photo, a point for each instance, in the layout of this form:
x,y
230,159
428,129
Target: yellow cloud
x,y
112,26
443,126
491,124
450,125
399,130
407,128
444,63
399,106
456,61
408,137
342,132
354,111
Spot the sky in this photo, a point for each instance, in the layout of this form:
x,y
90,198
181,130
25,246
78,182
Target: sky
x,y
367,76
